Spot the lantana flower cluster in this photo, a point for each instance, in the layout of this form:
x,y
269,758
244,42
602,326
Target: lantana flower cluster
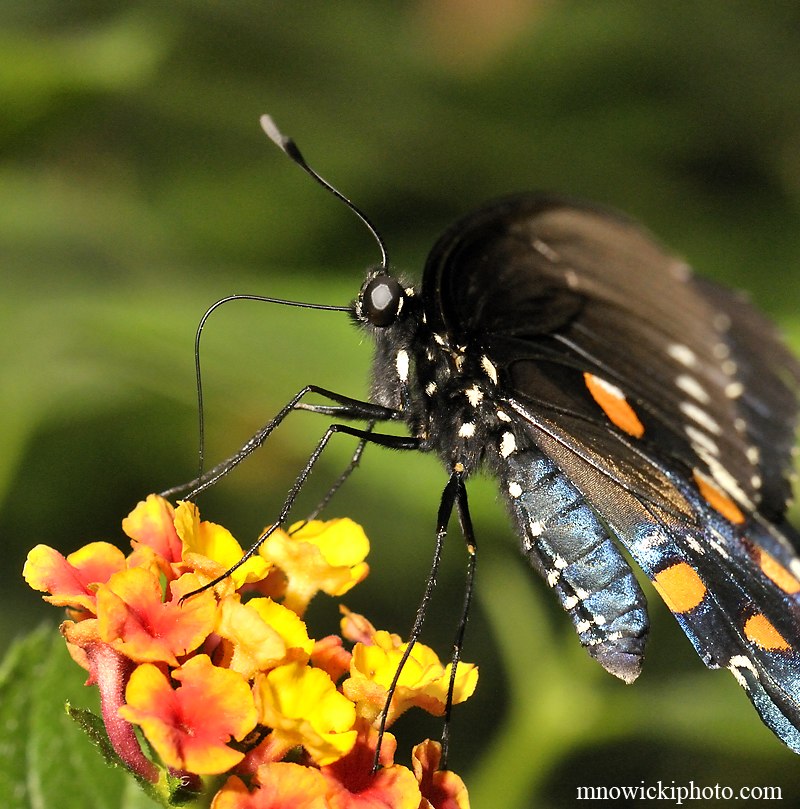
x,y
222,690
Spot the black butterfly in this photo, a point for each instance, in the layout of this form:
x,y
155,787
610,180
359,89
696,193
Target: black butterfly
x,y
615,396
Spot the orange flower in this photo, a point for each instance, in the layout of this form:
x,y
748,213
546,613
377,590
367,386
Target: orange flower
x,y
190,726
137,622
441,789
278,786
353,785
423,682
72,581
327,556
144,633
152,524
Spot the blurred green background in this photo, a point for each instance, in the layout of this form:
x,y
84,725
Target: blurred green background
x,y
136,188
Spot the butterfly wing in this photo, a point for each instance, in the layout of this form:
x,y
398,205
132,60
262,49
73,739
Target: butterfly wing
x,y
669,404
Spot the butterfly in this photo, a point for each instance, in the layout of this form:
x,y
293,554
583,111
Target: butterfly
x,y
618,399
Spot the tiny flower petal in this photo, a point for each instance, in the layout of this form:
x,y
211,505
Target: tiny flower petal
x,y
356,628
70,580
189,727
441,789
327,556
135,620
151,523
330,655
261,635
303,707
212,549
280,786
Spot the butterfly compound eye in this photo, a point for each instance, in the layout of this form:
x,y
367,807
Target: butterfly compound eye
x,y
382,300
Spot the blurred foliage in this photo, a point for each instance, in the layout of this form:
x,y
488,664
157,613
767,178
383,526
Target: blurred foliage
x,y
136,188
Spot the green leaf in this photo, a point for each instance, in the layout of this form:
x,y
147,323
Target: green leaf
x,y
46,760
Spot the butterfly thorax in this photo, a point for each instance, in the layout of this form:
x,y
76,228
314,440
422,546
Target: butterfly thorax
x,y
446,391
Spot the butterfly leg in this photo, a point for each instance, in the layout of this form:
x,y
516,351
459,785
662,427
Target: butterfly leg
x,y
462,508
345,408
391,441
453,492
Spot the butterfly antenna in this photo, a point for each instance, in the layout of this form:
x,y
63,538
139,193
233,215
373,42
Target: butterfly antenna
x,y
289,147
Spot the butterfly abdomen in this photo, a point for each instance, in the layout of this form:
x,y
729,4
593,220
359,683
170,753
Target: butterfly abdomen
x,y
568,545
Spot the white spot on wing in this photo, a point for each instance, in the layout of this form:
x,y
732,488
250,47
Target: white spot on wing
x,y
700,416
503,416
536,528
733,390
514,489
430,388
682,354
688,384
701,441
570,602
544,249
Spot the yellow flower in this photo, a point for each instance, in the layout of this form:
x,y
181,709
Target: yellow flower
x,y
423,682
314,556
303,707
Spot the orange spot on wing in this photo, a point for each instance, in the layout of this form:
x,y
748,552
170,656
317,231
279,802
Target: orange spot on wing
x,y
760,631
717,499
773,569
680,587
614,404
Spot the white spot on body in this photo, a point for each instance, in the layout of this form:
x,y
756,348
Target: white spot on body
x,y
467,430
508,444
474,395
682,354
402,363
489,368
753,455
